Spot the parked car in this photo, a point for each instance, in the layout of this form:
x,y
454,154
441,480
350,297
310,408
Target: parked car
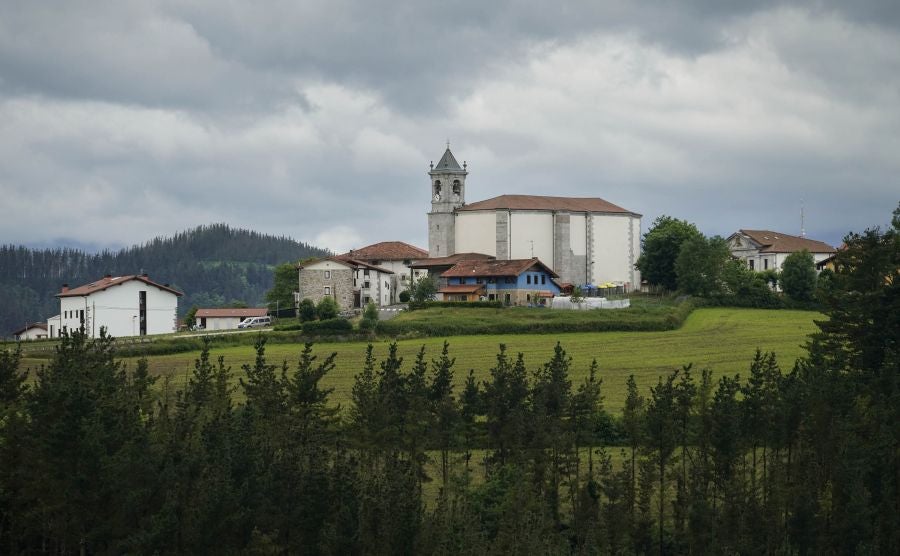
x,y
255,322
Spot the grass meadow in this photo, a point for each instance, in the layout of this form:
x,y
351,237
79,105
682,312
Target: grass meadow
x,y
723,339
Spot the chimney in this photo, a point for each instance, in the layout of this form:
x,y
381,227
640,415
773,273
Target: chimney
x,y
65,288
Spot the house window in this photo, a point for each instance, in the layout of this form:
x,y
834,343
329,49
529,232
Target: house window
x,y
366,272
492,280
765,264
366,284
461,280
327,290
750,262
543,279
509,280
506,299
528,297
479,280
328,275
528,278
491,297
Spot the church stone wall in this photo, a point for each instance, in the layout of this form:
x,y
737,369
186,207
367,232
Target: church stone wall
x,y
441,234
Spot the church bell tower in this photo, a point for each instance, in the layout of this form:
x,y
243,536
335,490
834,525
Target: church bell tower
x,y
448,193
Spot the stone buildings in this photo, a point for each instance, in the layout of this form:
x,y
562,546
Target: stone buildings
x,y
352,283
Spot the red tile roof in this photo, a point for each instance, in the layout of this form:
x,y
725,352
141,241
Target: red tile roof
x,y
513,267
110,281
776,242
352,263
386,251
240,313
41,325
449,260
538,202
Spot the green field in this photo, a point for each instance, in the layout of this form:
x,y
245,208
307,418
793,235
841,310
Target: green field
x,y
723,339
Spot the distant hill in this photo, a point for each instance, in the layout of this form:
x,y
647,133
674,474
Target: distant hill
x,y
213,265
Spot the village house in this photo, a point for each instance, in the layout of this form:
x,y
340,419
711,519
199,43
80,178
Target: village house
x,y
226,319
352,283
436,267
764,249
33,331
124,305
395,256
513,282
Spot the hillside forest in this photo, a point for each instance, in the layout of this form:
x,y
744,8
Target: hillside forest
x,y
787,458
213,265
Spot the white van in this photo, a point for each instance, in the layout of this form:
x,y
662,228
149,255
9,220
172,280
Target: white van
x,y
254,322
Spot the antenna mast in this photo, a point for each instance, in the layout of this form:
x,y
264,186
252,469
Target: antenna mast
x,y
802,220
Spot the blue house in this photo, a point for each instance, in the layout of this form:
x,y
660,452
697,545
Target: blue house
x,y
514,282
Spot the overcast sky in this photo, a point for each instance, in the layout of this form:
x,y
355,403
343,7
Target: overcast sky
x,y
121,121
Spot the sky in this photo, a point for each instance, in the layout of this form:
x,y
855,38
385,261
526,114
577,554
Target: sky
x,y
122,121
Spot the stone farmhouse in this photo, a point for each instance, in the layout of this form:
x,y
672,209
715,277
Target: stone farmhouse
x,y
352,283
765,249
583,240
131,305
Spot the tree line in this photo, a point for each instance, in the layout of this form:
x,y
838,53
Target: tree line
x,y
97,458
213,265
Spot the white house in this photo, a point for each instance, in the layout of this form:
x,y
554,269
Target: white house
x,y
124,305
34,331
395,256
226,319
584,240
764,249
350,282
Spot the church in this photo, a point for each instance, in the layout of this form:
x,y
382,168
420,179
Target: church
x,y
584,240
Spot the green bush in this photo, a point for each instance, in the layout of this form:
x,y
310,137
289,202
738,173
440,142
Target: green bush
x,y
307,311
404,296
327,326
368,324
289,326
327,309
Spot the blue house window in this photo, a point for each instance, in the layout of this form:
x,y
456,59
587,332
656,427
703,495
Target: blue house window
x,y
509,280
543,279
528,278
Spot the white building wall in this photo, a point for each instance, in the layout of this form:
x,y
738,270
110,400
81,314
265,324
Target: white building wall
x,y
53,324
527,227
116,308
222,323
476,232
616,243
32,333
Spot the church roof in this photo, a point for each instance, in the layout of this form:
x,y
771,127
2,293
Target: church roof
x,y
447,164
513,267
540,202
109,281
776,242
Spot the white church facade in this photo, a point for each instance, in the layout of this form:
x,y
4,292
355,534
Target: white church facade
x,y
584,240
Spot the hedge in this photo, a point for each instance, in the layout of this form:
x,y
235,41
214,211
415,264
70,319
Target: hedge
x,y
415,306
328,326
580,321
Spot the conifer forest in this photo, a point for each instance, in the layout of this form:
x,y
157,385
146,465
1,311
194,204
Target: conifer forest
x,y
213,265
786,458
